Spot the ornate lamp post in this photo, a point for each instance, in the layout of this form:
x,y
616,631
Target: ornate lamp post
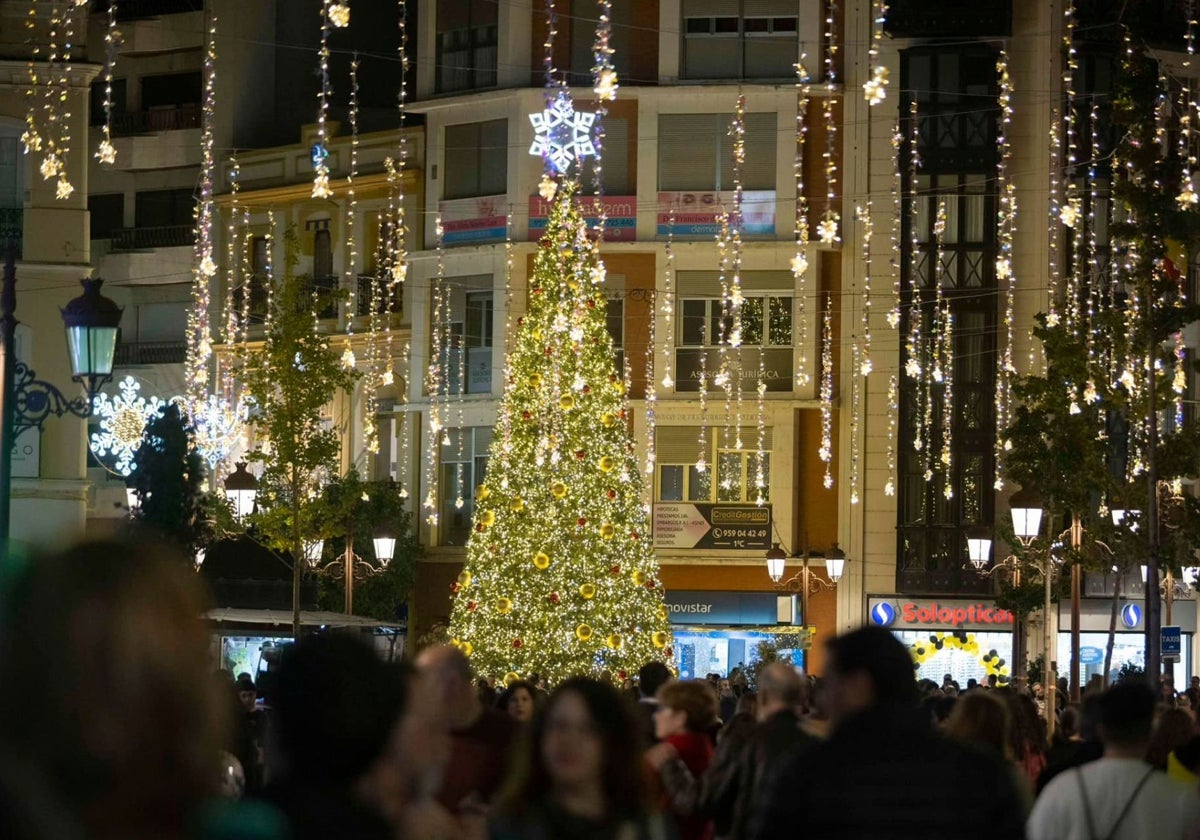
x,y
803,581
92,322
241,488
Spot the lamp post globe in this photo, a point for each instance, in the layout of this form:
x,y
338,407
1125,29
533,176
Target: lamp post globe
x,y
92,323
1025,506
979,546
835,563
776,561
241,488
384,538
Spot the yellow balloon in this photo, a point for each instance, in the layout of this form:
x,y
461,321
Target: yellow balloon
x,y
583,632
511,677
639,578
607,530
467,648
662,613
588,591
535,379
619,386
541,560
482,492
488,518
608,419
517,504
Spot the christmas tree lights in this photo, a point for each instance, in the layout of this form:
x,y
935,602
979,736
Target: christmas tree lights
x,y
560,575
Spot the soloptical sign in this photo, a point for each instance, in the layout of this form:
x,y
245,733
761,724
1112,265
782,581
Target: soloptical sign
x,y
899,613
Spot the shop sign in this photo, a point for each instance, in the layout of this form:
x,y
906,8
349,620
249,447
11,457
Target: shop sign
x,y
684,525
776,363
696,213
620,226
468,221
1090,655
918,614
756,609
1096,615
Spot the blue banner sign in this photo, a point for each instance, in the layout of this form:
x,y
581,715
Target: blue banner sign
x,y
754,609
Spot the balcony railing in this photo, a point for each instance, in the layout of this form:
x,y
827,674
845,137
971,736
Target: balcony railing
x,y
367,296
12,227
144,238
150,353
137,9
324,291
156,119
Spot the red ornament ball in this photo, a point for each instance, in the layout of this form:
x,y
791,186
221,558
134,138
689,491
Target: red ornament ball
x,y
581,521
580,454
611,493
591,304
549,350
668,652
649,584
537,290
471,605
518,644
520,320
622,675
454,587
554,598
614,570
634,535
526,415
587,389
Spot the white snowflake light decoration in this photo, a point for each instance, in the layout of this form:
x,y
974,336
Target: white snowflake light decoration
x,y
562,134
827,230
123,419
219,425
875,88
106,153
1069,213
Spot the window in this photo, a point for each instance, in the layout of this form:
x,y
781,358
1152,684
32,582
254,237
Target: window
x,y
106,214
615,320
740,39
706,322
737,475
322,253
96,112
476,159
467,39
464,461
164,208
955,89
11,164
620,176
467,359
695,152
583,22
174,90
256,282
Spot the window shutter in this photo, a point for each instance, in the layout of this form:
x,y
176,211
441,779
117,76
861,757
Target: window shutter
x,y
758,172
708,283
771,8
616,157
687,151
709,8
493,157
680,444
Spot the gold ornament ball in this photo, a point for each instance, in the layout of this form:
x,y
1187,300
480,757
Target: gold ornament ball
x,y
588,591
605,464
511,677
583,632
619,386
558,489
464,579
662,613
488,518
566,402
660,639
615,642
535,380
482,492
639,578
608,530
504,605
608,419
541,560
517,504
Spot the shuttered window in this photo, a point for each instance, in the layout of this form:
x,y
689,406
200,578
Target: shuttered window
x,y
476,159
695,152
618,175
750,39
677,451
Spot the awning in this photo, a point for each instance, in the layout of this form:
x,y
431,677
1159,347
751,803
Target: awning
x,y
283,618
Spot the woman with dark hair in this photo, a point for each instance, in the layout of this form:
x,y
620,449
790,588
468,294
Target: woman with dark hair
x,y
519,700
687,710
580,776
1172,728
1028,737
983,721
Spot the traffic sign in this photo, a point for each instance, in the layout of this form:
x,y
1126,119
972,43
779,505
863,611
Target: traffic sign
x,y
1172,643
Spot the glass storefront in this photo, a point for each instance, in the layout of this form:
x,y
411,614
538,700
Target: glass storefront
x,y
705,650
964,656
1128,649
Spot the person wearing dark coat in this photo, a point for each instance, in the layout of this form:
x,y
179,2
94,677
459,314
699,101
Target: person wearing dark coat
x,y
651,677
732,787
884,772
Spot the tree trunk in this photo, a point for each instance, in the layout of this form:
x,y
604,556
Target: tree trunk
x,y
297,555
1112,628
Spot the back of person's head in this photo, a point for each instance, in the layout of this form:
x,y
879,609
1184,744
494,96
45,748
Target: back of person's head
x,y
780,685
117,711
1068,722
695,698
980,719
651,677
747,704
1172,728
613,724
942,708
881,656
336,705
1089,716
1126,714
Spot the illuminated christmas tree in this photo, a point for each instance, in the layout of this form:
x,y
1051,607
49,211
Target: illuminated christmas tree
x,y
561,577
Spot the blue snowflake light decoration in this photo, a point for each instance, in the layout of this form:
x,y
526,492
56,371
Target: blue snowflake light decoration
x,y
562,134
123,419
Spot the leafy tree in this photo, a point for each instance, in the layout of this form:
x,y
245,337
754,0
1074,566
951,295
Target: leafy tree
x,y
560,577
291,379
169,480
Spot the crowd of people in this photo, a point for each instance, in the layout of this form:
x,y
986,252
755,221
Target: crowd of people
x,y
114,725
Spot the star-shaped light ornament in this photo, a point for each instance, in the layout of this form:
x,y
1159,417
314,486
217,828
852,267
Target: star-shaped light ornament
x,y
827,230
50,166
63,189
123,420
399,271
207,267
562,134
893,317
321,187
799,265
1003,268
547,188
875,88
339,15
1069,213
606,85
348,359
32,141
106,153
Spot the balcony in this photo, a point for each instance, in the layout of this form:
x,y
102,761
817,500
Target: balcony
x,y
179,118
149,353
324,291
12,227
138,9
145,238
366,296
949,19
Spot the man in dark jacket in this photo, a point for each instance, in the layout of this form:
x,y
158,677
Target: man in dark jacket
x,y
733,784
884,772
651,677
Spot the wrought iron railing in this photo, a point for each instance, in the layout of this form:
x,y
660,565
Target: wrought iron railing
x,y
156,119
150,353
144,238
367,296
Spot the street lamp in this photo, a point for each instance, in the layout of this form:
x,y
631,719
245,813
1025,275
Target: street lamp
x,y
776,562
1026,508
312,552
199,558
835,562
241,489
92,322
384,538
979,546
